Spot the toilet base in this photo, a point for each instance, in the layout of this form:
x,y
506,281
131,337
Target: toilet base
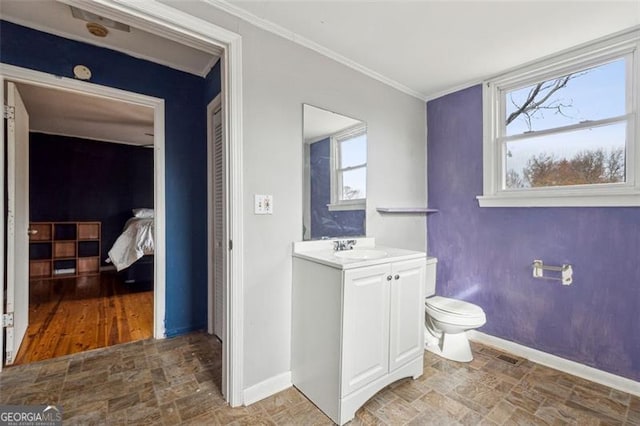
x,y
450,346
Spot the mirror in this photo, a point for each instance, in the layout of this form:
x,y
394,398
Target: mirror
x,y
335,175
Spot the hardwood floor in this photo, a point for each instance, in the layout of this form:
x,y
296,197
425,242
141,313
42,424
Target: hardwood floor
x,y
73,315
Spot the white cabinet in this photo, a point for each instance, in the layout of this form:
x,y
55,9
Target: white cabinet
x,y
406,325
355,330
365,330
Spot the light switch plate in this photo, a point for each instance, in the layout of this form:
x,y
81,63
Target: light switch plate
x,y
263,204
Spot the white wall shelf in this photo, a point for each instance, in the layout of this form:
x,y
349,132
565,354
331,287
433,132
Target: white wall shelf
x,y
420,210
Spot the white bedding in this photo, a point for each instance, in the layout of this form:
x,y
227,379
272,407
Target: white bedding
x,y
135,241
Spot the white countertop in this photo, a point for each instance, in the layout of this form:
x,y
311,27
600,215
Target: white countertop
x,y
322,252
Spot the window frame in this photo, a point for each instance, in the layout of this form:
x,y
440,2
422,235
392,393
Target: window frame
x,y
593,195
337,203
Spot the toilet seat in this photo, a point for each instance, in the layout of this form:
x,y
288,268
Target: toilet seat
x,y
452,310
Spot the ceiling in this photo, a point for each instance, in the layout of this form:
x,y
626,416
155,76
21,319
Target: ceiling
x,y
71,114
320,122
55,18
428,48
424,48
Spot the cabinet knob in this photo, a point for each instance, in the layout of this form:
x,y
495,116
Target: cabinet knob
x,y
32,231
389,278
397,277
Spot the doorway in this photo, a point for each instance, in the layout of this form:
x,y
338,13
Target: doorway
x,y
162,19
82,169
69,245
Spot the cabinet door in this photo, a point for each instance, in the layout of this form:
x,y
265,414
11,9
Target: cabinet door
x,y
407,312
365,326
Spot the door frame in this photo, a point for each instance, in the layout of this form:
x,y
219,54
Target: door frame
x,y
42,79
163,20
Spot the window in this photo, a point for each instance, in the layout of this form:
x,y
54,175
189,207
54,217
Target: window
x,y
349,169
563,132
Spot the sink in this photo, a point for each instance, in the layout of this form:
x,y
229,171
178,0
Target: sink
x,y
361,254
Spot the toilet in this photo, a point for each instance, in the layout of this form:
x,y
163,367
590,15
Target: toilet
x,y
446,321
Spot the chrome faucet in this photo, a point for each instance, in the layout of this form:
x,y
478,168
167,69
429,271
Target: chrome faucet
x,y
340,245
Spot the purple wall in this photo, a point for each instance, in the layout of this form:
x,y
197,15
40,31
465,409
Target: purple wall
x,y
484,254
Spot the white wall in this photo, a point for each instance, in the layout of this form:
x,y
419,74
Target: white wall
x,y
279,76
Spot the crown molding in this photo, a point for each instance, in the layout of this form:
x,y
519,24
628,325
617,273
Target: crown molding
x,y
267,25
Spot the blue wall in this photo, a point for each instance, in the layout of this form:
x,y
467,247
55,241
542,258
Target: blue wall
x,y
325,223
212,83
73,179
185,150
485,254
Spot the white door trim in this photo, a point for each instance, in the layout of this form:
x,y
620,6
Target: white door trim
x,y
37,78
161,19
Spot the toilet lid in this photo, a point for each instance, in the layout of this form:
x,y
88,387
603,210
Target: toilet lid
x,y
454,306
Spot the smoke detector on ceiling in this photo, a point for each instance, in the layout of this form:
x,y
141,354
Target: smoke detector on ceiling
x,y
97,29
98,23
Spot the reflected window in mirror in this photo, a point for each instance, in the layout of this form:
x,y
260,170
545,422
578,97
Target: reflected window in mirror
x,y
349,165
335,175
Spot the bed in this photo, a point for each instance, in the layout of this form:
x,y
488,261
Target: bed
x,y
132,252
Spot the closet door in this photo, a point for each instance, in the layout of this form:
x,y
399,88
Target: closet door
x,y
219,223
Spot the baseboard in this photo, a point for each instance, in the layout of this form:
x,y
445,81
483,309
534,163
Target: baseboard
x,y
267,388
107,268
173,332
571,367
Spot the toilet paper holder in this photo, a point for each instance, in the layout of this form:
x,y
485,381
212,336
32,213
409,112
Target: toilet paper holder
x,y
566,272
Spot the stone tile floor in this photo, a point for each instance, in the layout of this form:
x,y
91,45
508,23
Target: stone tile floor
x,y
176,381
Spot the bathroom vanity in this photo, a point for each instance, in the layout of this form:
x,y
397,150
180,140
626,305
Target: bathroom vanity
x,y
357,322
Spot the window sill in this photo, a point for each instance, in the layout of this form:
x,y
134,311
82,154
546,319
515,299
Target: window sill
x,y
631,199
349,205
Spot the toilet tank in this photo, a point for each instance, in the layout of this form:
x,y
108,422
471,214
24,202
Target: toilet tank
x,y
430,279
